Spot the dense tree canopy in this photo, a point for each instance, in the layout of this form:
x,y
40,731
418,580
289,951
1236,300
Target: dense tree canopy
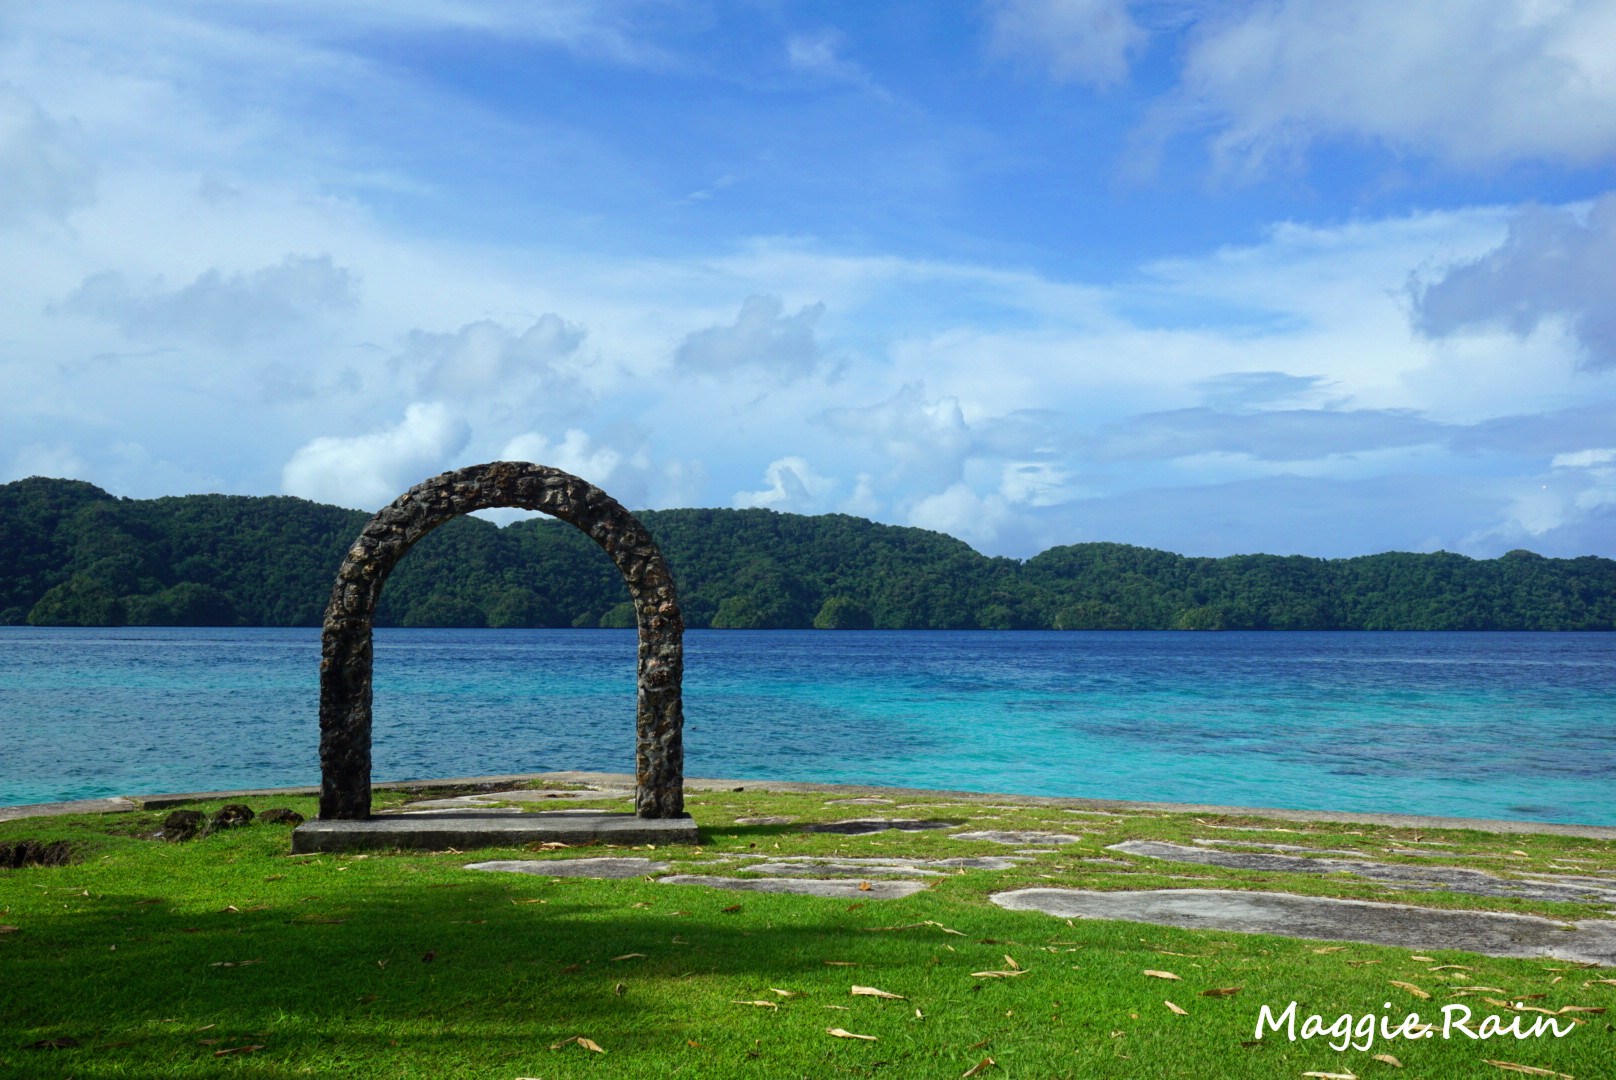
x,y
73,555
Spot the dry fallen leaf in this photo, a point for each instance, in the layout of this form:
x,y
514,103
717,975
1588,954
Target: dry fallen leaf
x,y
841,963
760,1004
1532,1070
1424,959
630,956
998,974
731,908
238,1050
840,1034
974,1070
8,929
864,886
1010,962
1176,1009
1222,991
1332,1076
1330,948
1411,988
530,901
1160,974
590,1044
784,993
1388,1059
870,991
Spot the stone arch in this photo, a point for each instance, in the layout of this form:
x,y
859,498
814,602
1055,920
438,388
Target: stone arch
x,y
345,642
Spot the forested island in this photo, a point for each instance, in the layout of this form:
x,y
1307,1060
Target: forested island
x,y
73,555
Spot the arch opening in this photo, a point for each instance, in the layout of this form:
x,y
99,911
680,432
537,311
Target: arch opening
x,y
346,653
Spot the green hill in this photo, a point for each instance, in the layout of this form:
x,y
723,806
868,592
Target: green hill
x,y
73,555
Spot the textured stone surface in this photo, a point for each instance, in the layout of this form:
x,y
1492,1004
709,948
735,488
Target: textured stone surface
x,y
767,819
182,825
280,815
839,890
999,836
605,867
230,816
345,643
837,866
1459,879
1288,915
860,826
1289,849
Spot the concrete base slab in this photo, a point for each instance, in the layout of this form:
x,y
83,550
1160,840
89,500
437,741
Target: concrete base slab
x,y
1459,879
836,890
61,809
1326,919
467,830
589,868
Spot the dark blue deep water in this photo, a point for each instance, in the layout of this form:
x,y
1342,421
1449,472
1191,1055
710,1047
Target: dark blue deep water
x,y
1495,725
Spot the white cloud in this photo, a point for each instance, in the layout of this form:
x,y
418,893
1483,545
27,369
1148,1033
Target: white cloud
x,y
1090,41
1556,264
1470,82
792,486
370,471
1583,459
575,454
961,512
817,54
57,459
225,310
762,337
486,356
918,440
44,168
620,462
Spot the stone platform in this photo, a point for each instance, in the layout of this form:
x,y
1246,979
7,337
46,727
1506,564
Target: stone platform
x,y
468,830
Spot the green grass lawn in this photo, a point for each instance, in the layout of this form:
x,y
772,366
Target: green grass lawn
x,y
168,960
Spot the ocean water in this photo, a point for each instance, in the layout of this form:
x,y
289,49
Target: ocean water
x,y
1495,725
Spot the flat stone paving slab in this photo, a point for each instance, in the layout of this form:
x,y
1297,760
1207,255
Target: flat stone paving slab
x,y
1327,919
466,830
532,795
839,866
860,826
1460,879
1002,836
836,890
606,867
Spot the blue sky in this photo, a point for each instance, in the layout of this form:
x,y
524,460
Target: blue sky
x,y
1324,278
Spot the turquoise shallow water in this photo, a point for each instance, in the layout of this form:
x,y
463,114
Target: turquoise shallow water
x,y
1476,725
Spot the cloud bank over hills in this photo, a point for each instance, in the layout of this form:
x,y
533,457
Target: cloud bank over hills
x,y
1215,278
